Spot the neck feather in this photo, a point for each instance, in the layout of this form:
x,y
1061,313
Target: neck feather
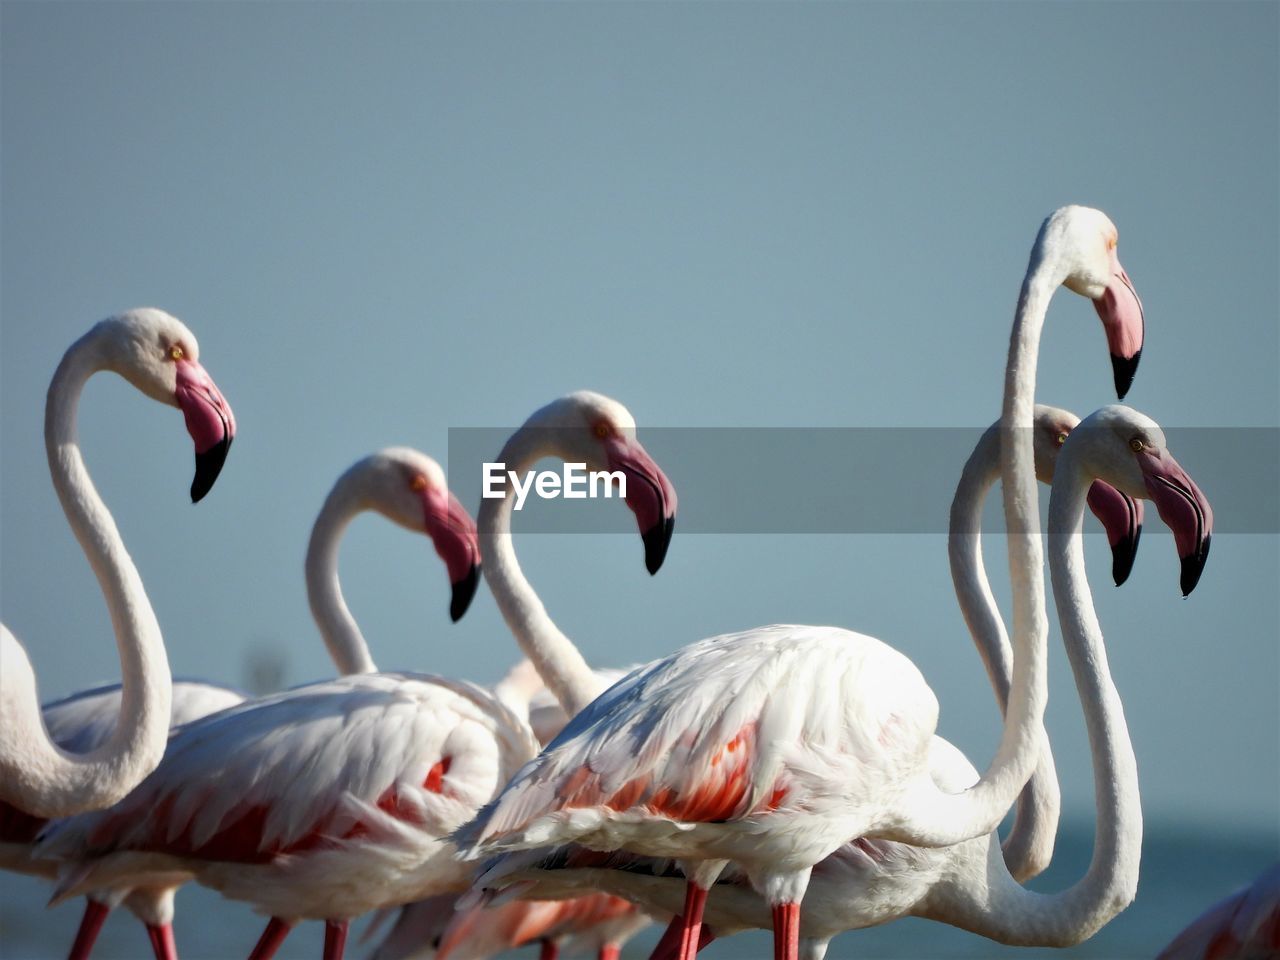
x,y
556,659
927,816
997,906
49,781
342,637
1029,846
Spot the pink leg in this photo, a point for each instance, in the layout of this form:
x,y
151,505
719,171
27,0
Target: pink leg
x,y
669,941
271,939
549,950
609,951
95,914
666,948
786,931
162,941
335,939
695,900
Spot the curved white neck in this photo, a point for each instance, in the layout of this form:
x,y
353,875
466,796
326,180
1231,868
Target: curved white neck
x,y
926,815
34,773
1002,909
1029,846
342,637
556,659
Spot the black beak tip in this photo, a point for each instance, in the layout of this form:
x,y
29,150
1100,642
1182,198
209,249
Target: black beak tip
x,y
656,540
464,592
1124,369
1122,557
1192,567
208,466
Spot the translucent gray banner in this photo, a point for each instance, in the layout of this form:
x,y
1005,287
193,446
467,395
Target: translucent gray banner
x,y
853,479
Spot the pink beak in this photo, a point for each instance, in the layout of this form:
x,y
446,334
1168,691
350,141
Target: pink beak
x,y
1121,313
210,422
1184,510
453,533
1121,517
650,496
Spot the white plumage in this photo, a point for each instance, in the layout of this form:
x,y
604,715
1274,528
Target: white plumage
x,y
324,801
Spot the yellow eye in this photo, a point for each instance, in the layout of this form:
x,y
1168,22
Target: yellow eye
x,y
1136,445
1062,438
176,352
603,430
418,483
1111,242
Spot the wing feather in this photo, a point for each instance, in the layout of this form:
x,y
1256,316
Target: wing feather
x,y
312,766
723,729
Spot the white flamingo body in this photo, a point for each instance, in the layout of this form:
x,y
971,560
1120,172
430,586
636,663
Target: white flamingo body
x,y
322,802
583,788
862,884
159,356
726,729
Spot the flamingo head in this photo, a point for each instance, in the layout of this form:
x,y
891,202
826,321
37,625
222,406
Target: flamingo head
x,y
592,429
1052,426
157,354
1119,513
1086,240
1129,450
409,488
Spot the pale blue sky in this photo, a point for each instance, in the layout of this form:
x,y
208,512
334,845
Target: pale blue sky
x,y
385,220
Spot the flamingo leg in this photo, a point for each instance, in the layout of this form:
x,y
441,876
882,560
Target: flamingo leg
x,y
271,939
609,951
695,900
162,941
95,914
670,939
335,938
666,948
705,937
548,950
786,931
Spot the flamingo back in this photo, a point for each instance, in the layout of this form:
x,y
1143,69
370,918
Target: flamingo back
x,y
313,767
726,729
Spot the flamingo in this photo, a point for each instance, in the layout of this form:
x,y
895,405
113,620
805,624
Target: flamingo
x,y
771,747
327,800
159,356
1029,846
377,483
1242,926
969,885
373,483
78,724
597,431
582,427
